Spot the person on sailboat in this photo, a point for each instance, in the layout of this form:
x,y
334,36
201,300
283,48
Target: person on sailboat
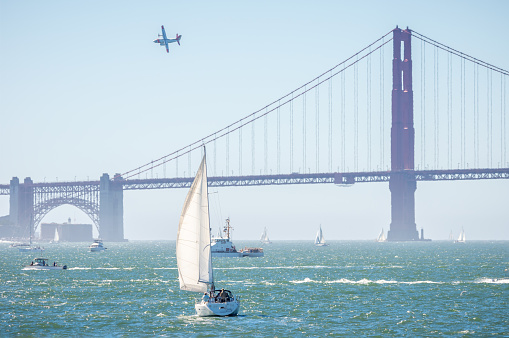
x,y
205,297
222,296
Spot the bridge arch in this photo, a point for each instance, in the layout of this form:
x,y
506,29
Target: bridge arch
x,y
90,208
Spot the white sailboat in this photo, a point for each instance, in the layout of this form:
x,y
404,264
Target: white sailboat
x,y
30,248
56,238
381,237
320,240
194,260
451,236
265,237
461,238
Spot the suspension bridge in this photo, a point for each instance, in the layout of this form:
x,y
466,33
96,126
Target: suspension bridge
x,y
406,108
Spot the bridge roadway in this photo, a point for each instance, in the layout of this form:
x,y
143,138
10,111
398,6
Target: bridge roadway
x,y
282,179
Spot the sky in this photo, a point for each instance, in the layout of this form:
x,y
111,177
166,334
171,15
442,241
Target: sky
x,y
84,91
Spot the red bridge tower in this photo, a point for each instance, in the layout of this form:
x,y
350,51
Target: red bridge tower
x,y
402,181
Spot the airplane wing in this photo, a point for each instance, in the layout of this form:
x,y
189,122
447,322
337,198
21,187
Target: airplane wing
x,y
164,33
165,39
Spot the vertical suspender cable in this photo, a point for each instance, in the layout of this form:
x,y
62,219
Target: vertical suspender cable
x,y
304,131
356,114
291,134
253,147
368,110
343,128
265,145
228,151
279,137
240,148
330,123
381,136
189,159
317,124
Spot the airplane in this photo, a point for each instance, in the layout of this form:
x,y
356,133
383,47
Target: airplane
x,y
165,41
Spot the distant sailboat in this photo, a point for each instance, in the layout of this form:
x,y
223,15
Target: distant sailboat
x,y
381,237
265,237
461,238
320,240
194,259
451,236
56,238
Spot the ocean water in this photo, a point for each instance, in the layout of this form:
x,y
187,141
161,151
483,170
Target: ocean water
x,y
349,288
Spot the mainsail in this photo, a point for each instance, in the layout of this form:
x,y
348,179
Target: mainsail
x,y
265,236
193,240
319,236
381,237
461,238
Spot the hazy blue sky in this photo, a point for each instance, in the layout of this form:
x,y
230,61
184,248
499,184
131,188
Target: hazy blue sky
x,y
85,91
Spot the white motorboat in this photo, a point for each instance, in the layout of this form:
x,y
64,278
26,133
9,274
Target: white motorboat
x,y
97,246
223,247
265,237
42,264
381,237
319,239
194,258
252,252
461,238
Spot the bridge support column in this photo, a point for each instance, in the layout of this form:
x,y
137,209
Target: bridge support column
x,y
402,181
21,210
111,209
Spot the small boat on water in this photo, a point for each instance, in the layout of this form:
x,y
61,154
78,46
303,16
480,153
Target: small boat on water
x,y
461,238
223,247
42,264
97,246
252,252
319,239
265,237
194,258
381,237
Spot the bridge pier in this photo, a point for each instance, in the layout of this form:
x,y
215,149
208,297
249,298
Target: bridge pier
x,y
111,209
402,181
21,208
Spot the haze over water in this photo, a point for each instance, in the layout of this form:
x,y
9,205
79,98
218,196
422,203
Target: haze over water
x,y
349,288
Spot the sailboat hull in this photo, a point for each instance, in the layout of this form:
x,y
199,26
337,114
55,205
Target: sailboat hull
x,y
209,309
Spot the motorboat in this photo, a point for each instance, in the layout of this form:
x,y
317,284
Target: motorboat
x,y
194,258
252,252
42,264
223,247
97,246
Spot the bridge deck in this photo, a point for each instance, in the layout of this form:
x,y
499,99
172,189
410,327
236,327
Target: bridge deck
x,y
295,178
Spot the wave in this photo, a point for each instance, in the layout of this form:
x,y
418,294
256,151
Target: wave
x,y
365,281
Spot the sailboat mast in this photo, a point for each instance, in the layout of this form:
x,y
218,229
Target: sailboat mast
x,y
211,285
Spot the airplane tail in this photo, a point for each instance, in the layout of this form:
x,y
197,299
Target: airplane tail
x,y
178,38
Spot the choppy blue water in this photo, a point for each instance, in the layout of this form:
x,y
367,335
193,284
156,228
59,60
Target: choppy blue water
x,y
349,288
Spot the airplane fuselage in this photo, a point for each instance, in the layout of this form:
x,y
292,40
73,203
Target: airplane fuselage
x,y
162,41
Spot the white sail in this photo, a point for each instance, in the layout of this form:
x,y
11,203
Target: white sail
x,y
265,236
381,236
193,240
319,237
56,239
461,238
